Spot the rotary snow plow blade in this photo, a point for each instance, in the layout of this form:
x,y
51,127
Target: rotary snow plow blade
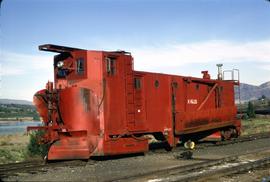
x,y
71,145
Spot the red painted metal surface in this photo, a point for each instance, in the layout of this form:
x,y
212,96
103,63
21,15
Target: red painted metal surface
x,y
98,105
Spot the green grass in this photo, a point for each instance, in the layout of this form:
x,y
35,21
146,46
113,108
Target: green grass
x,y
12,149
256,125
13,155
21,147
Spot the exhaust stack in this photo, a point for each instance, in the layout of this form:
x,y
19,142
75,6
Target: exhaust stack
x,y
219,76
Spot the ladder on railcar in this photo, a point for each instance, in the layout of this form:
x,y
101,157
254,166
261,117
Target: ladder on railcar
x,y
235,77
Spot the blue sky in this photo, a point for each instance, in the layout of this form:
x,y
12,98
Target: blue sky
x,y
173,36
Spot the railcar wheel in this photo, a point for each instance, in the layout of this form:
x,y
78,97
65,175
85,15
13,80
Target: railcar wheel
x,y
235,133
228,134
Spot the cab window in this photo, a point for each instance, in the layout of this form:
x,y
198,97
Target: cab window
x,y
137,83
80,66
111,65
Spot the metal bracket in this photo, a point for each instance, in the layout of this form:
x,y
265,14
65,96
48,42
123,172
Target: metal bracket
x,y
57,48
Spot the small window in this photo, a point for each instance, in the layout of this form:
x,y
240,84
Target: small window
x,y
80,66
111,70
156,83
137,83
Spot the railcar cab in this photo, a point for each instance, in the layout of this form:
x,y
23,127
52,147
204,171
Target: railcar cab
x,y
70,64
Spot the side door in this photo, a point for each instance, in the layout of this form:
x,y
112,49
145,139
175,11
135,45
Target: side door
x,y
139,103
176,104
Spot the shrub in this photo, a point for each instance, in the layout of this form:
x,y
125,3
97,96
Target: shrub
x,y
245,116
35,148
250,110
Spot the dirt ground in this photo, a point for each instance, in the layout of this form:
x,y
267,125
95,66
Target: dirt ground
x,y
13,149
117,168
262,174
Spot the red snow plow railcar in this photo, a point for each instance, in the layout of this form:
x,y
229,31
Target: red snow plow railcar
x,y
99,105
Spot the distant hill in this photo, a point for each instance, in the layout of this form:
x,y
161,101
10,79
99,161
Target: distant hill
x,y
17,110
13,101
252,92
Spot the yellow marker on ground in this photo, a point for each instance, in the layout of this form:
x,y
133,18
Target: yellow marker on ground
x,y
189,145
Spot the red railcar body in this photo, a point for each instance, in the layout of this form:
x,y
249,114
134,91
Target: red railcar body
x,y
99,105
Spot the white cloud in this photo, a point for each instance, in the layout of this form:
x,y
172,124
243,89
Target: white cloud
x,y
17,64
153,58
11,71
165,58
266,67
22,75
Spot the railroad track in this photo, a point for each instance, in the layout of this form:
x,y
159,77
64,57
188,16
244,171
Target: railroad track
x,y
40,166
159,147
4,168
36,166
203,170
235,140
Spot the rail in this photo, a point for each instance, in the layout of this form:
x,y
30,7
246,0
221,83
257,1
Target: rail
x,y
203,170
29,167
12,169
